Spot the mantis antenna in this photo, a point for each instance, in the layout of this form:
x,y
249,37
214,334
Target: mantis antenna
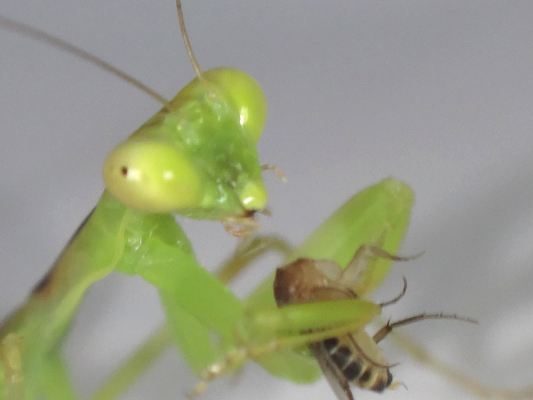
x,y
42,36
187,42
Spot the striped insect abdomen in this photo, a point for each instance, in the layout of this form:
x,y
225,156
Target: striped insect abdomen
x,y
359,360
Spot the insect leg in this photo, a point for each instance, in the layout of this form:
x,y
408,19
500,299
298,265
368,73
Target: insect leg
x,y
279,173
273,330
57,384
388,303
353,273
383,332
11,362
248,249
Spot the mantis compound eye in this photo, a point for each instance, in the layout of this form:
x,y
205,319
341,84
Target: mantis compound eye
x,y
245,95
152,175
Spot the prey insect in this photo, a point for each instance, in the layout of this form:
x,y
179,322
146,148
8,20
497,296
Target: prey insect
x,y
345,352
353,357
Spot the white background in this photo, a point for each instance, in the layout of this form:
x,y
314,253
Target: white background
x,y
438,94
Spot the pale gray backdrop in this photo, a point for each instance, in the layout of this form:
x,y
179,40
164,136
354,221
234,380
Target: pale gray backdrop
x,y
438,94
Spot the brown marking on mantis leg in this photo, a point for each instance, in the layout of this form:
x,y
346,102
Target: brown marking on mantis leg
x,y
47,284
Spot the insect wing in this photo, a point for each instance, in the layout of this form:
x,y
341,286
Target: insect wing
x,y
336,379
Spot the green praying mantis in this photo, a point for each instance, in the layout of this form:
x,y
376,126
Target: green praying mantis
x,y
397,153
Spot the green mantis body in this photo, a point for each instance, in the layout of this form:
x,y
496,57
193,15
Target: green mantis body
x,y
368,137
197,158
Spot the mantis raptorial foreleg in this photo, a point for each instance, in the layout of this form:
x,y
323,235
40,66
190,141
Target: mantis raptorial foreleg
x,y
391,197
247,250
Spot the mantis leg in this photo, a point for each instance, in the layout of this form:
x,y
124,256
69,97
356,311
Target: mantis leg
x,y
12,380
192,298
194,315
156,249
186,327
51,374
56,379
271,330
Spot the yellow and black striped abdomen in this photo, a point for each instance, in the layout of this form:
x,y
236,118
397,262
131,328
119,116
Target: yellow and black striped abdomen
x,y
359,360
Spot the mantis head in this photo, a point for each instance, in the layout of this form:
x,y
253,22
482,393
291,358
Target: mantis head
x,y
197,156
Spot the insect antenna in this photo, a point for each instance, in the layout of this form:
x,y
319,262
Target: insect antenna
x,y
187,42
37,34
279,173
383,332
388,303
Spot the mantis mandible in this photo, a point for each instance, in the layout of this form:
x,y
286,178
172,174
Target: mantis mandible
x,y
395,126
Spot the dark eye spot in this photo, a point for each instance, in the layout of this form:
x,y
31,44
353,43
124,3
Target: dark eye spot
x,y
124,171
